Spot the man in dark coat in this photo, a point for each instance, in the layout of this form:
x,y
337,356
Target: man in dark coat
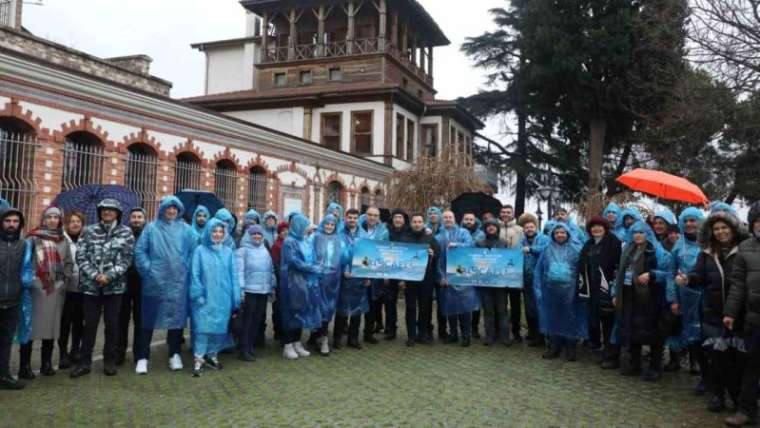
x,y
744,300
396,232
130,301
493,299
419,295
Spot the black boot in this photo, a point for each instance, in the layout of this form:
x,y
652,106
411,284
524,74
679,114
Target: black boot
x,y
64,362
654,373
674,364
9,383
25,362
552,353
46,366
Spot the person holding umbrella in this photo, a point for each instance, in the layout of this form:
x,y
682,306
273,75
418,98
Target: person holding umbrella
x,y
104,256
162,256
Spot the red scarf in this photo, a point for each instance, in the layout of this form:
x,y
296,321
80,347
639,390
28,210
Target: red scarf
x,y
49,262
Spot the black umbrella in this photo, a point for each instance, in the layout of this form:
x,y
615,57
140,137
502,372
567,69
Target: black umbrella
x,y
192,198
86,199
477,203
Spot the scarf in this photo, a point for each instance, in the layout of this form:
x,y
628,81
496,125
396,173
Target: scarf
x,y
48,259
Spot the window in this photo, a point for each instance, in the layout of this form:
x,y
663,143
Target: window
x,y
306,77
17,147
460,143
400,150
410,140
453,139
187,172
361,122
331,136
404,82
225,183
336,74
257,189
82,160
334,193
280,79
142,166
364,199
430,140
5,13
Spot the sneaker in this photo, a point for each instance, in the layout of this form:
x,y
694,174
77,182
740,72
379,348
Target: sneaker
x,y
740,420
197,367
213,363
175,363
141,367
80,370
289,352
109,368
9,383
324,348
300,350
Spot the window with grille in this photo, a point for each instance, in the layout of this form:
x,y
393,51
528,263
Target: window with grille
x,y
361,123
331,134
17,149
140,177
334,193
409,140
364,199
83,160
187,172
5,13
257,189
430,140
400,150
225,185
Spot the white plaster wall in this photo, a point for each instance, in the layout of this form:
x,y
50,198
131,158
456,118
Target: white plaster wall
x,y
52,118
4,101
209,150
288,178
168,141
225,70
116,131
287,120
378,123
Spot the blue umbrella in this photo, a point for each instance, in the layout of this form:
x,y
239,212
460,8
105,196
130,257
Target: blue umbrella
x,y
86,198
192,198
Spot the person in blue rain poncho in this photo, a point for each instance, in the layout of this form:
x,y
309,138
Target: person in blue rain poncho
x,y
685,301
577,234
270,227
328,250
563,313
249,219
663,220
612,213
162,257
457,302
473,225
214,295
353,298
4,204
299,281
628,216
229,220
433,220
533,245
639,301
201,216
371,228
336,210
718,207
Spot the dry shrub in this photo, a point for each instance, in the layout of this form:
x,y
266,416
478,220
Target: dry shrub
x,y
591,204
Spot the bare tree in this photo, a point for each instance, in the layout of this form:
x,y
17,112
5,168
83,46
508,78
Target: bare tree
x,y
726,41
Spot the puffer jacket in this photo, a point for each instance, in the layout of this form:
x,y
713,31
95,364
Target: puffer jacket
x,y
255,268
744,295
107,250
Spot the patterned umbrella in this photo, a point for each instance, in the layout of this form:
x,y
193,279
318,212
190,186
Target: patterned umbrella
x,y
192,198
86,198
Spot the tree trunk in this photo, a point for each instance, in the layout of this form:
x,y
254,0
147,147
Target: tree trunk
x,y
596,153
522,153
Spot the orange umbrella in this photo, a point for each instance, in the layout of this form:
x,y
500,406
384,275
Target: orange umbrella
x,y
663,185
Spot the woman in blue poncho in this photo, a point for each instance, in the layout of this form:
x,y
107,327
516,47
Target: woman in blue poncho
x,y
299,282
162,257
214,295
328,250
563,313
229,220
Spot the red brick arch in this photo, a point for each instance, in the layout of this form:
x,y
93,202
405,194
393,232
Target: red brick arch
x,y
84,125
190,147
292,167
142,137
14,110
260,163
227,155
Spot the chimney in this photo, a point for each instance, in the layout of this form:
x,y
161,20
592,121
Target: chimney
x,y
139,64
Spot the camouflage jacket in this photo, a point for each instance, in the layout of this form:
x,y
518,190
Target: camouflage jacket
x,y
106,251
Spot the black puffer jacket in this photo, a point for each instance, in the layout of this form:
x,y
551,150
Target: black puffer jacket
x,y
744,296
639,306
605,256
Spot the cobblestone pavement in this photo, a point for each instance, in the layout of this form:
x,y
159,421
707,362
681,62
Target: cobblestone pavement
x,y
382,385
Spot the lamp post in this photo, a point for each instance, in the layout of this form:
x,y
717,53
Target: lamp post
x,y
540,214
548,193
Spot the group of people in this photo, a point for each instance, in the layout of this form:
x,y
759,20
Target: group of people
x,y
688,284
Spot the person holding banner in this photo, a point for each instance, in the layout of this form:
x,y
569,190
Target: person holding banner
x,y
328,250
370,227
533,245
397,233
457,302
494,299
562,311
418,296
353,299
433,226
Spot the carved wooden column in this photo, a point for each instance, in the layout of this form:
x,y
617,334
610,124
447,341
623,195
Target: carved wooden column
x,y
394,30
430,62
265,38
293,35
382,36
350,12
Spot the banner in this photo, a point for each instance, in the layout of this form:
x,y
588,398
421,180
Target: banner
x,y
483,267
389,260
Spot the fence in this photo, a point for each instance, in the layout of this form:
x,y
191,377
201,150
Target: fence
x,y
257,190
82,164
226,185
17,169
187,174
141,170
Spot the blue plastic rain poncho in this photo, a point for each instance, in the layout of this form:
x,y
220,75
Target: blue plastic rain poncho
x,y
377,233
620,230
214,292
270,232
198,229
255,266
456,300
667,215
684,257
617,228
722,207
24,328
328,250
299,279
4,204
428,224
336,210
577,233
226,216
478,234
353,298
162,257
537,246
562,312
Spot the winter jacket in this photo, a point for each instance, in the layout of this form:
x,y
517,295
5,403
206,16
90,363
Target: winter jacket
x,y
433,274
638,306
744,294
72,282
255,268
598,264
512,234
106,249
16,272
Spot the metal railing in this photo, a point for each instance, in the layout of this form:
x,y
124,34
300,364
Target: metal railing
x,y
187,175
257,191
225,186
17,152
5,13
140,177
83,164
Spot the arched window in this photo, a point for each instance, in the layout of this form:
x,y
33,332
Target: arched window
x,y
225,185
257,189
379,198
17,145
82,160
334,193
141,170
364,201
187,172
